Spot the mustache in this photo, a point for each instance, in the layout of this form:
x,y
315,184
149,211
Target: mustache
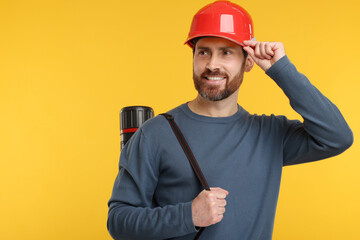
x,y
208,73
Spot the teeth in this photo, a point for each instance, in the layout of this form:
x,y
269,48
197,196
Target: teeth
x,y
215,78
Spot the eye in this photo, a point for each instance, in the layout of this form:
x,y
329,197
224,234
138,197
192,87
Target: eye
x,y
226,52
203,53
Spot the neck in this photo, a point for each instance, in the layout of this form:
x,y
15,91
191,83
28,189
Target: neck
x,y
223,108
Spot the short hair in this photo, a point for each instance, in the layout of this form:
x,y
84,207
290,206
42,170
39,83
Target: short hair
x,y
195,40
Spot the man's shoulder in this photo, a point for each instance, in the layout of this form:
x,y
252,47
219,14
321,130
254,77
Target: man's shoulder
x,y
159,122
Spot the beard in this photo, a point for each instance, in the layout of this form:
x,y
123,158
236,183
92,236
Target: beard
x,y
215,93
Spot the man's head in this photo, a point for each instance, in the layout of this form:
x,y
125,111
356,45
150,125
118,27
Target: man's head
x,y
219,66
216,36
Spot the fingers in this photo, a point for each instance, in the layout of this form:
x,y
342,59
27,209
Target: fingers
x,y
257,51
264,54
269,50
250,43
260,50
209,207
218,195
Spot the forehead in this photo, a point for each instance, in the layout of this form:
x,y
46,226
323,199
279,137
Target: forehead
x,y
216,42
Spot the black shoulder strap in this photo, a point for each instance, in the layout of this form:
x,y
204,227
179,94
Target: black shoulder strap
x,y
190,157
187,151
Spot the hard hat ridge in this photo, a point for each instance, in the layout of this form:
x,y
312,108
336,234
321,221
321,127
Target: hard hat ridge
x,y
222,19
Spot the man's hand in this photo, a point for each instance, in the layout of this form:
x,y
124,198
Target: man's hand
x,y
265,54
208,207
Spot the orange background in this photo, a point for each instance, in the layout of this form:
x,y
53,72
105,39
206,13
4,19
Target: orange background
x,y
68,67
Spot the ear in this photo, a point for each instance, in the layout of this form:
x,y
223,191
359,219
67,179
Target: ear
x,y
249,63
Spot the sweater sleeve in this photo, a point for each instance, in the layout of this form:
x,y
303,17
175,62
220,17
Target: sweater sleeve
x,y
323,133
132,214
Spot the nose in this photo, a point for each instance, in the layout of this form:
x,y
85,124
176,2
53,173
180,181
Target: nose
x,y
213,63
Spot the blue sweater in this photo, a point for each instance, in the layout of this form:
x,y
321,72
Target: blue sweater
x,y
243,154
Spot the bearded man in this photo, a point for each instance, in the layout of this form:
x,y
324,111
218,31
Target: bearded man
x,y
156,194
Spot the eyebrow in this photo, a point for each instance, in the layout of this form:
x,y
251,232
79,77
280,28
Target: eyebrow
x,y
202,48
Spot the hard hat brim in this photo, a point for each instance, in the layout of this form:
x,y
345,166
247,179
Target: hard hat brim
x,y
188,41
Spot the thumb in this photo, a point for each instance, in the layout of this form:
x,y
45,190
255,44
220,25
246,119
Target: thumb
x,y
220,193
250,51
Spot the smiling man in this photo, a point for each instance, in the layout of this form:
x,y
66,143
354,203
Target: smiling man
x,y
212,54
219,67
156,194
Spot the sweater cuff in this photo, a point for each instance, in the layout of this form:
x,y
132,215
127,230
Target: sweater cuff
x,y
274,70
188,221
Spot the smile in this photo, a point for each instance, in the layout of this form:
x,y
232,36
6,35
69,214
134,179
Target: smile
x,y
215,78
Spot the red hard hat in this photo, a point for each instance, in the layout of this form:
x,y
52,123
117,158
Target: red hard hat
x,y
222,19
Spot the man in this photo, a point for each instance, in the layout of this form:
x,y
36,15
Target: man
x,y
156,194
